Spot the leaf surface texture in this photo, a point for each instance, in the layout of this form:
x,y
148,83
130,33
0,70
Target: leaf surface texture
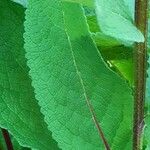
x,y
67,71
115,19
20,113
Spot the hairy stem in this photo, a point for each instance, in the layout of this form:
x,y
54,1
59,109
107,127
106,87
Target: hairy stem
x,y
7,139
141,21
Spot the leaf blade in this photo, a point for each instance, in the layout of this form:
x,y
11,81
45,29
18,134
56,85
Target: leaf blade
x,y
20,113
114,20
52,65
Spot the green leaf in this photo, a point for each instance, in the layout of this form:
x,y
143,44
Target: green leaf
x,y
20,113
68,73
125,68
115,20
21,2
147,119
121,59
92,22
103,40
118,57
130,4
89,3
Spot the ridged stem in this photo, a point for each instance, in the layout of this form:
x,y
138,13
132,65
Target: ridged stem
x,y
140,59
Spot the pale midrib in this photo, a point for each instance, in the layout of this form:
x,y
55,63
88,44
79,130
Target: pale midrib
x,y
101,134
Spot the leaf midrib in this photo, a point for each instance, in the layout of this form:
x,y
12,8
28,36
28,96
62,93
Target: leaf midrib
x,y
90,107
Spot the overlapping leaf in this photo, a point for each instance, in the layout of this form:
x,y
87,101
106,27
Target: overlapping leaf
x,y
89,3
115,20
20,113
68,72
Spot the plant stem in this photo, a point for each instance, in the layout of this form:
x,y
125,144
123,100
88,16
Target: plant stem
x,y
7,139
141,21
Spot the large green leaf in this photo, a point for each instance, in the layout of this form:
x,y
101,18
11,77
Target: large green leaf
x,y
20,113
68,73
115,20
